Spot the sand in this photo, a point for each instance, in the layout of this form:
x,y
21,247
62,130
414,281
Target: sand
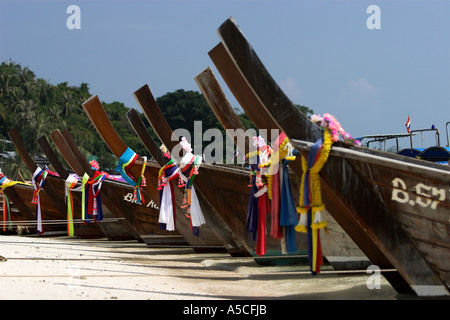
x,y
71,268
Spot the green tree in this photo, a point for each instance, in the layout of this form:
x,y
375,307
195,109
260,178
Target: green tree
x,y
36,108
181,108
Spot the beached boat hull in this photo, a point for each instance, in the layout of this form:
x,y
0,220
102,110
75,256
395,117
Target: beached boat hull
x,y
54,187
365,216
223,182
138,218
206,240
23,212
339,249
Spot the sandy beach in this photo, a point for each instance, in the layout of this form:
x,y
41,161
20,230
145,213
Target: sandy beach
x,y
69,268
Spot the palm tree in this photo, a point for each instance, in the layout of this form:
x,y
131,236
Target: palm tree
x,y
68,103
54,117
24,113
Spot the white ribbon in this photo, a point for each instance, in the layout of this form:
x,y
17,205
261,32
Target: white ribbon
x,y
166,208
38,206
197,217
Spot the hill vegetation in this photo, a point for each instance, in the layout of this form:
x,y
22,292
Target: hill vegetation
x,y
37,108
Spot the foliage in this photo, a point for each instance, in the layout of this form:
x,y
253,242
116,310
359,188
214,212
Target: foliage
x,y
37,108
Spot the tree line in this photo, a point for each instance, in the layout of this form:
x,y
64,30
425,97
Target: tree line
x,y
37,107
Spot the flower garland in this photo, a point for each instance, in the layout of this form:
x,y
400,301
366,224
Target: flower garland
x,y
284,151
310,202
311,195
329,122
263,154
331,130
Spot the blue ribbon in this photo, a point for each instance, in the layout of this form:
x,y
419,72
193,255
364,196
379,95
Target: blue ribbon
x,y
124,158
312,157
288,211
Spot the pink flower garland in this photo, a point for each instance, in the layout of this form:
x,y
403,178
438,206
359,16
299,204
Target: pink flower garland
x,y
329,122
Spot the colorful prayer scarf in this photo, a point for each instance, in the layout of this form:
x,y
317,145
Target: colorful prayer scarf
x,y
126,161
38,180
310,203
70,182
6,205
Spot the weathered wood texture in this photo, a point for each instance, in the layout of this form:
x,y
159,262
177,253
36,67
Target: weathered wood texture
x,y
20,196
337,246
99,118
225,222
118,230
54,187
374,227
141,217
368,213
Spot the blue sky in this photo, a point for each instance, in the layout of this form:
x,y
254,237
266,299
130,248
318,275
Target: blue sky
x,y
320,52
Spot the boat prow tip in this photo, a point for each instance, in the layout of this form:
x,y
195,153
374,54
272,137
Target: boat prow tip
x,y
90,100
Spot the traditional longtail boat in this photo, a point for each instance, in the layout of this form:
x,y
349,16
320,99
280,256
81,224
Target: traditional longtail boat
x,y
16,206
340,251
395,208
54,188
141,217
230,183
207,240
217,184
122,230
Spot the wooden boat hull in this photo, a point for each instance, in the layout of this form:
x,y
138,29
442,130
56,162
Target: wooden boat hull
x,y
223,182
340,251
54,187
207,240
363,214
420,205
49,212
117,197
18,217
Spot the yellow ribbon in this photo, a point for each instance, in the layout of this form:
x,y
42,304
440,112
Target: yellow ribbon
x,y
84,180
71,182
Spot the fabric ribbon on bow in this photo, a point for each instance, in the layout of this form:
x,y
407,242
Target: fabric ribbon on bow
x,y
189,166
84,181
5,183
126,161
38,180
190,200
93,203
284,215
310,202
6,205
167,210
169,172
288,212
258,207
71,182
